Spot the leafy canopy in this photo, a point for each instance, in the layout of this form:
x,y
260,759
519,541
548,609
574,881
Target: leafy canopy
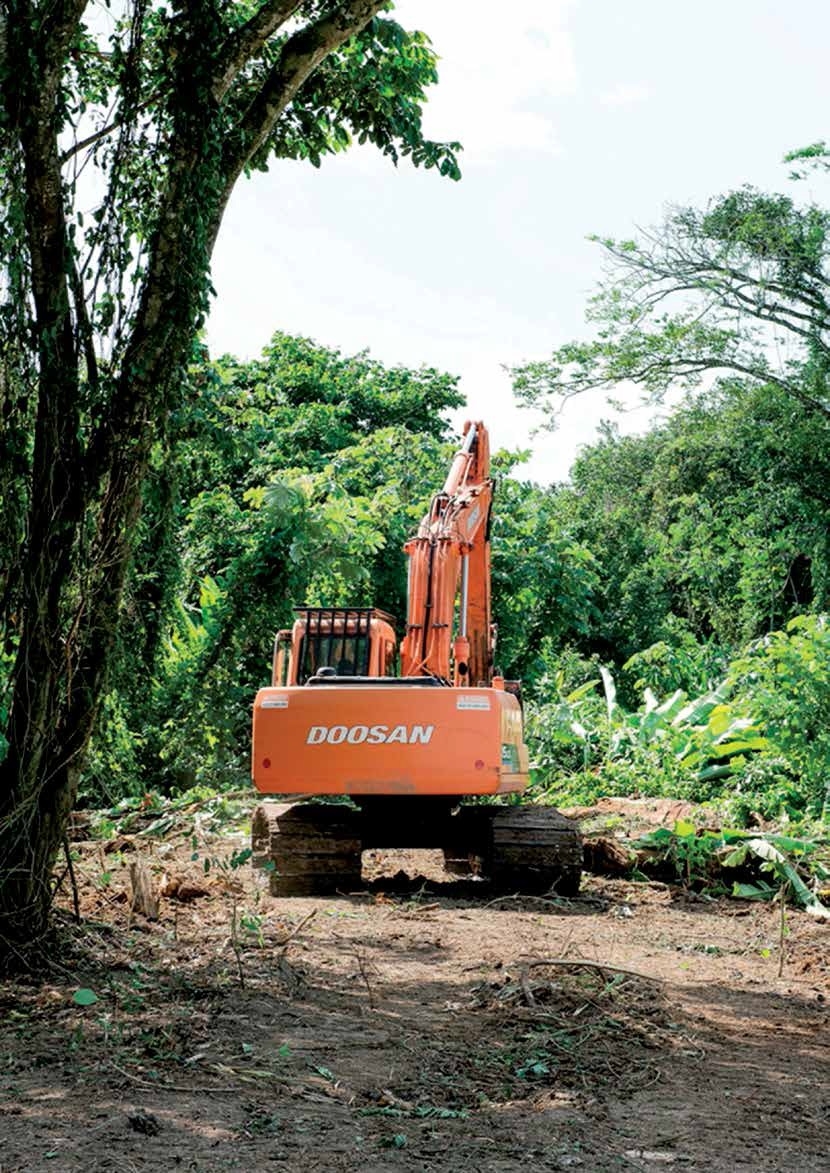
x,y
738,287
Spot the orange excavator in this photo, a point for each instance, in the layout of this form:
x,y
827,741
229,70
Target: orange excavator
x,y
406,749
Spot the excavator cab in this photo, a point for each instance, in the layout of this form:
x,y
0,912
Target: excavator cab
x,y
339,642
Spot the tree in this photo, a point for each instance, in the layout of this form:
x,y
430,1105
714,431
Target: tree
x,y
706,532
122,135
740,287
544,579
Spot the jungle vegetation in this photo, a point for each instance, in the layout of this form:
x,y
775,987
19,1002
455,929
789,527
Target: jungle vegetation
x,y
161,511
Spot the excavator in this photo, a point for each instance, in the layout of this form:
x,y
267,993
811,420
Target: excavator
x,y
402,753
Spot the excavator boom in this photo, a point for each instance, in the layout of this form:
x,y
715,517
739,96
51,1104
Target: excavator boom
x,y
449,565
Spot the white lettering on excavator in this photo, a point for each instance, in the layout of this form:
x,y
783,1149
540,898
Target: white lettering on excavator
x,y
371,734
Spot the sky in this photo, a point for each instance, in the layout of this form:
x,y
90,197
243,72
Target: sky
x,y
576,116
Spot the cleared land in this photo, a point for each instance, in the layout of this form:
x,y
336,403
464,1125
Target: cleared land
x,y
412,1029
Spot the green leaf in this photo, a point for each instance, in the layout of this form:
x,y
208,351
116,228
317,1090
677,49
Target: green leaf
x,y
754,891
710,772
582,691
684,828
737,857
730,748
786,843
84,997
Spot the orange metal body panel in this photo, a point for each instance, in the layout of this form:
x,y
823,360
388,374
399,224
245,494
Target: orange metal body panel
x,y
342,739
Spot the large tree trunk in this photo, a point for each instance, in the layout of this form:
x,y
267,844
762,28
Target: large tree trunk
x,y
85,494
34,799
62,662
71,601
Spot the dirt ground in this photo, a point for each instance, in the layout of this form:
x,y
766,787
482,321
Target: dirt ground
x,y
412,1029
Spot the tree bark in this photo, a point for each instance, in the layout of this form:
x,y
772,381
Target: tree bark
x,y
34,802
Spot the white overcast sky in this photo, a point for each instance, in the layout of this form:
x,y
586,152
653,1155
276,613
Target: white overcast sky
x,y
576,116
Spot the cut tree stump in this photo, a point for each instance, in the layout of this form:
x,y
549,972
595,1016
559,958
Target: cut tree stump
x,y
145,899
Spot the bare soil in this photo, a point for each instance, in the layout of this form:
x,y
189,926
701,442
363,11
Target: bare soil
x,y
415,1026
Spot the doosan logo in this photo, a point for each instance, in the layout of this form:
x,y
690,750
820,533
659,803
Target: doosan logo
x,y
370,734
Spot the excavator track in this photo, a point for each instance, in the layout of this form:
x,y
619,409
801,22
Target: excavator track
x,y
534,849
309,849
314,849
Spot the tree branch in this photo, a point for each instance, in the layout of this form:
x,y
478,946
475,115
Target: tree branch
x,y
676,264
246,41
59,26
732,295
300,56
697,366
96,137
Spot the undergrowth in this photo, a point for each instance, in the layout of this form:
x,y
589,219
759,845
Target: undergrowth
x,y
750,865
756,740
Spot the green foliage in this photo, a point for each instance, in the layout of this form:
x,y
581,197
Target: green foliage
x,y
704,533
789,867
299,477
709,290
675,746
758,740
677,661
786,679
371,91
112,770
544,579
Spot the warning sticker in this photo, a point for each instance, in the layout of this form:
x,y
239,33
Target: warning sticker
x,y
275,702
471,701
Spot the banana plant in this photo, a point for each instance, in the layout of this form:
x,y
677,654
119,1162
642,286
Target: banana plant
x,y
704,734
